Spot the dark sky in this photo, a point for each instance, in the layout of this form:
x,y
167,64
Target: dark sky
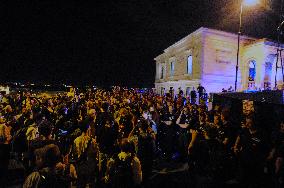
x,y
110,42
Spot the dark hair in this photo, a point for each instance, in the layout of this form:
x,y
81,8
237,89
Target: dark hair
x,y
52,155
126,146
105,106
202,115
226,114
84,126
45,128
143,124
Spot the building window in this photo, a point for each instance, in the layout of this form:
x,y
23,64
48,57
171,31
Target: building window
x,y
162,73
252,71
267,75
172,65
189,65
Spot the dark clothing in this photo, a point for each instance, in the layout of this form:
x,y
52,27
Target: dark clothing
x,y
4,160
200,90
230,131
106,132
252,157
48,177
87,165
126,121
121,173
193,96
36,144
146,153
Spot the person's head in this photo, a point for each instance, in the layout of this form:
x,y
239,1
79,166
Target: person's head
x,y
217,119
225,114
45,128
179,105
171,109
92,113
8,109
217,109
202,117
39,157
105,107
2,120
52,155
90,104
159,106
126,146
250,123
143,125
185,111
50,103
208,119
123,112
84,127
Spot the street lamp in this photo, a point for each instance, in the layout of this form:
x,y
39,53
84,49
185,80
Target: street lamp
x,y
243,3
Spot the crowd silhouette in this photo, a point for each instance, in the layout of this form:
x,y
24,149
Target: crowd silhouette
x,y
117,137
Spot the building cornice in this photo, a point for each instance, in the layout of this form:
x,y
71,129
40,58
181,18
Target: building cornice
x,y
205,31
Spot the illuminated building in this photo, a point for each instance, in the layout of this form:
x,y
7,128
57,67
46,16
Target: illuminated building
x,y
208,57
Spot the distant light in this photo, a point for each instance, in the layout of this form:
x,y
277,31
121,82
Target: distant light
x,y
32,84
250,2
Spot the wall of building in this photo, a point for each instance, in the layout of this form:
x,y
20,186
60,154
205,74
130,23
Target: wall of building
x,y
179,52
254,52
214,56
220,57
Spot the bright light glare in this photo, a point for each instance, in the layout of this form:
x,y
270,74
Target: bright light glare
x,y
250,2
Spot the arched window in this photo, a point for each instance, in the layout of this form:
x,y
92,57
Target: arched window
x,y
162,73
172,68
252,70
189,65
267,75
268,71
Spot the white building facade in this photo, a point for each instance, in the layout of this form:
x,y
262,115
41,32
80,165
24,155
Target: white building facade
x,y
208,57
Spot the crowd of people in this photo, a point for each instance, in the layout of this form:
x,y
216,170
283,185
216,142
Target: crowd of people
x,y
114,138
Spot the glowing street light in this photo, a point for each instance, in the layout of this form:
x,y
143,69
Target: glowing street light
x,y
242,3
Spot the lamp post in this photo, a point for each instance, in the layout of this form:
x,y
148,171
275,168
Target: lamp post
x,y
243,3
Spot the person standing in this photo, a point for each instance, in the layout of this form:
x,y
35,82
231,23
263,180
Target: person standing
x,y
200,90
193,96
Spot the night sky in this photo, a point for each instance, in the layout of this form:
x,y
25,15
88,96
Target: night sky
x,y
110,42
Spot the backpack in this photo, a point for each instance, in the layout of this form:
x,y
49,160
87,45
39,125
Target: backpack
x,y
121,173
19,141
85,165
145,146
49,179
